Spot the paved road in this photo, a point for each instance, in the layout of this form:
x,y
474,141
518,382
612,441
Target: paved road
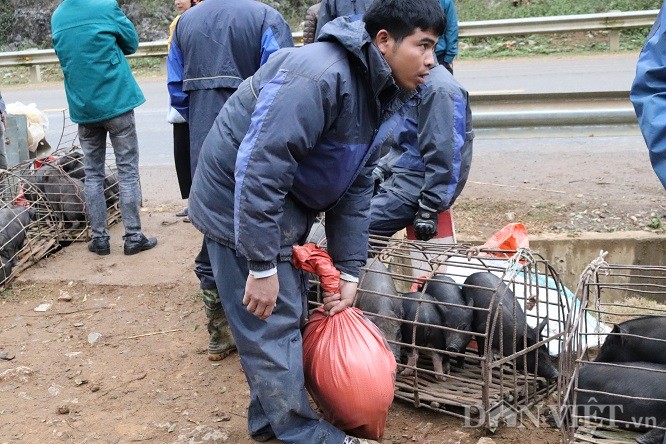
x,y
534,74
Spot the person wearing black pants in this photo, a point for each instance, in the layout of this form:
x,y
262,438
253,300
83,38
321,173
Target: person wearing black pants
x,y
181,155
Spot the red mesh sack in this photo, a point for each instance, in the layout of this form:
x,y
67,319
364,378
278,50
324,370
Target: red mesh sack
x,y
349,371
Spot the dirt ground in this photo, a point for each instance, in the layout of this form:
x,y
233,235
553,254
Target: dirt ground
x,y
119,355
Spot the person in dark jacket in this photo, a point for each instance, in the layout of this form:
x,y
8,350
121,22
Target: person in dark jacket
x,y
181,129
310,23
428,159
332,9
295,139
648,95
215,47
91,39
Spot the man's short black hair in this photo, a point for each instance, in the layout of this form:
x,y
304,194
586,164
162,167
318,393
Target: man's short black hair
x,y
401,17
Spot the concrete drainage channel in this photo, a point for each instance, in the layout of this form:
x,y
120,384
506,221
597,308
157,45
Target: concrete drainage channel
x,y
569,255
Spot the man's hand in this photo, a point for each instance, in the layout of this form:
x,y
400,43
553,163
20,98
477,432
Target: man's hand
x,y
336,302
425,224
261,295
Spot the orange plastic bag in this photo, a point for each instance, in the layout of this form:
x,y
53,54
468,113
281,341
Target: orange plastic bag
x,y
349,371
311,258
511,237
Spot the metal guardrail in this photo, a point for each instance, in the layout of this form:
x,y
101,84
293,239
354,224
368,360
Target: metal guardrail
x,y
567,113
611,21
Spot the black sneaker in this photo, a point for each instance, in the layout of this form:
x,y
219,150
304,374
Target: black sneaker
x,y
99,245
141,243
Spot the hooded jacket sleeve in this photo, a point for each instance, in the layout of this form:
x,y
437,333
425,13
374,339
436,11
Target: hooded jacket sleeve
x,y
178,99
267,160
648,95
126,37
275,35
348,224
3,108
445,142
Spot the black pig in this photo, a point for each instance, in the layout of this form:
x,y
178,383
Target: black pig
x,y
457,316
13,222
635,395
480,288
429,312
630,341
377,295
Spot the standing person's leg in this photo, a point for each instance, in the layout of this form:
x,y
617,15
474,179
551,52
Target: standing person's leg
x,y
220,342
122,132
3,149
181,155
271,353
93,145
204,108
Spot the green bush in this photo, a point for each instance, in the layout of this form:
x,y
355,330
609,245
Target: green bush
x,y
6,21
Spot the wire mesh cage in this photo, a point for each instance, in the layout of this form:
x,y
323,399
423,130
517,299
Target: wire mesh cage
x,y
431,299
613,380
28,228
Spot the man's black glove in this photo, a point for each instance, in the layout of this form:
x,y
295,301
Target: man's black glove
x,y
425,224
377,177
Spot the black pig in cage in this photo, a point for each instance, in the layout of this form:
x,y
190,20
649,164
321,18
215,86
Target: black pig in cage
x,y
476,332
614,359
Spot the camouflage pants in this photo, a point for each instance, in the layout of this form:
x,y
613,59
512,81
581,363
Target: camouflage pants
x,y
221,342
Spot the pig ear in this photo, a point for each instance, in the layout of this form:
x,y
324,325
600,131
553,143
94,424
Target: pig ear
x,y
621,330
542,325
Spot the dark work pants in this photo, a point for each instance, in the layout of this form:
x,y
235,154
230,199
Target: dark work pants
x,y
271,353
181,156
395,204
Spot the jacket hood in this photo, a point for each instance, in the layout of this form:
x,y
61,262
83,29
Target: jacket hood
x,y
356,40
350,34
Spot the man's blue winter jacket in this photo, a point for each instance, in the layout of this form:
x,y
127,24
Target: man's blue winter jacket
x,y
292,141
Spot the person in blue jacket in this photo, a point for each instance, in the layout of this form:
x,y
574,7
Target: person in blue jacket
x,y
429,153
648,95
295,139
215,47
332,9
447,46
91,39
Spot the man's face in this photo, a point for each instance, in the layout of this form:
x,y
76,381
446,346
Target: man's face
x,y
411,59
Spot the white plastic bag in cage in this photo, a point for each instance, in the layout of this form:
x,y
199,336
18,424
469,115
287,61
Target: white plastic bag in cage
x,y
548,299
38,123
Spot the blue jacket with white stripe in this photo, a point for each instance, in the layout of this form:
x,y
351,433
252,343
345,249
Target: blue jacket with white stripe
x,y
648,94
226,42
295,139
432,135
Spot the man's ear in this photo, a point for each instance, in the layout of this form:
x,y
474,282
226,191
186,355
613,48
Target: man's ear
x,y
383,41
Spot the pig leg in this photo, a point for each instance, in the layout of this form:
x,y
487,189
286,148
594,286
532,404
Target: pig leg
x,y
654,436
411,362
437,359
481,346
